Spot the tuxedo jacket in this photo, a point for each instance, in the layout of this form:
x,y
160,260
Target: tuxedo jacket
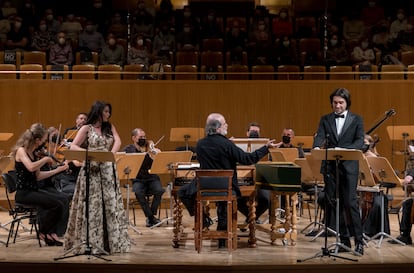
x,y
351,137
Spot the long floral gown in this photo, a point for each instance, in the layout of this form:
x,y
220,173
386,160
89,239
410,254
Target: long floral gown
x,y
108,227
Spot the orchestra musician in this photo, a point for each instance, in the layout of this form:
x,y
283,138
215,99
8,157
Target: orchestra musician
x,y
80,120
343,129
52,208
146,183
216,151
407,213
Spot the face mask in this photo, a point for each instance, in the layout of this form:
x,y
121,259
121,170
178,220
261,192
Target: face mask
x,y
286,43
283,15
62,41
400,16
28,5
371,4
186,29
18,24
334,42
210,18
140,42
111,42
253,134
286,139
49,17
42,27
141,142
71,18
261,27
187,14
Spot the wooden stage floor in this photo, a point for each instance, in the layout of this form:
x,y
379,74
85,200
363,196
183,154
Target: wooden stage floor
x,y
153,252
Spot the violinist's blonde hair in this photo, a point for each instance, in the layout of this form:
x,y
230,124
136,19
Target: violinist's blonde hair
x,y
27,139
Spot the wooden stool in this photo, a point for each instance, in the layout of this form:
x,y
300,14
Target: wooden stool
x,y
215,186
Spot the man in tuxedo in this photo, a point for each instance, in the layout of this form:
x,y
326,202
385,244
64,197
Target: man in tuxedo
x,y
342,129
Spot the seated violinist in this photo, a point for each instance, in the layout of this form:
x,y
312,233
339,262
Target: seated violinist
x,y
52,208
146,183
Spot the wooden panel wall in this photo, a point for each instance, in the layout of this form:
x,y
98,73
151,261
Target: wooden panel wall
x,y
158,106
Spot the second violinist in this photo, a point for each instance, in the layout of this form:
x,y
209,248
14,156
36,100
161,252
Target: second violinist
x,y
146,183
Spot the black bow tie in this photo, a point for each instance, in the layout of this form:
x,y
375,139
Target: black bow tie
x,y
339,116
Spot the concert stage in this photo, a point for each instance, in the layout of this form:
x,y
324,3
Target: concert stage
x,y
153,252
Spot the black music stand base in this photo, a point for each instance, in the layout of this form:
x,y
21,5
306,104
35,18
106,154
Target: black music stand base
x,y
88,252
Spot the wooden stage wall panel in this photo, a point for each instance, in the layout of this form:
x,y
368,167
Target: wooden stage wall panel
x,y
157,106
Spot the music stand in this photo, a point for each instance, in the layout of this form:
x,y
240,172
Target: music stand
x,y
163,163
87,156
186,134
308,175
284,154
128,165
251,143
305,142
337,155
402,132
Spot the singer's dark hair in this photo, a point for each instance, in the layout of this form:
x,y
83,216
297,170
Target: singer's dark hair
x,y
95,115
343,93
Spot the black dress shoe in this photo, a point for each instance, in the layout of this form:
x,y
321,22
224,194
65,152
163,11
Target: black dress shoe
x,y
359,248
346,242
405,239
221,243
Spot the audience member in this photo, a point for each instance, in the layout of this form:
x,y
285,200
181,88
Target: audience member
x,y
8,9
61,53
100,15
42,38
90,39
139,53
17,37
363,54
285,52
282,25
336,53
112,53
259,44
354,28
4,29
236,38
187,39
164,42
211,26
372,13
30,14
143,22
398,24
118,27
53,25
72,28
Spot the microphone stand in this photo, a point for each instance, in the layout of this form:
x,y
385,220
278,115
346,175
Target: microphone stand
x,y
87,243
325,252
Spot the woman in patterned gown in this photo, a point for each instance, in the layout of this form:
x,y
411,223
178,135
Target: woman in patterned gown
x,y
108,227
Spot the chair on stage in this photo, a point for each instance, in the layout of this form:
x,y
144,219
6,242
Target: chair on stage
x,y
18,211
382,169
215,186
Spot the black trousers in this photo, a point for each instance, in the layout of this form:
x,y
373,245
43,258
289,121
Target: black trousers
x,y
350,223
405,226
53,209
150,185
